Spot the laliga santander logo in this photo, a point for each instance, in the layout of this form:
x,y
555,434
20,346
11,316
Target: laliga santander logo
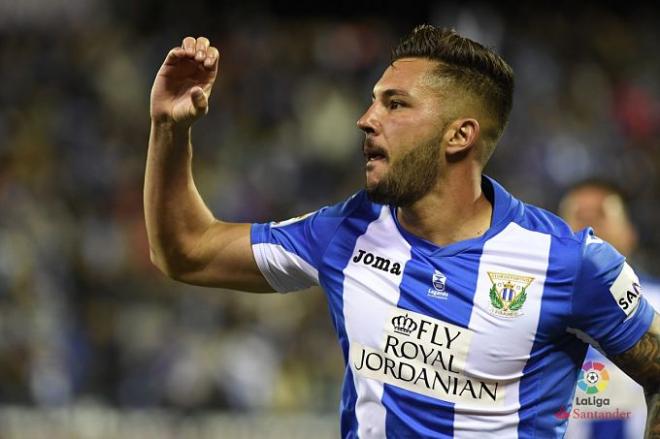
x,y
593,377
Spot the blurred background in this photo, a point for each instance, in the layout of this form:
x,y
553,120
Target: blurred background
x,y
95,342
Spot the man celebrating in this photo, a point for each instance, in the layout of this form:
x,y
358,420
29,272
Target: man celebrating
x,y
460,310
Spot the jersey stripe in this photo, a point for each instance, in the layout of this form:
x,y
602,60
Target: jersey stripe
x,y
337,259
548,383
369,294
503,253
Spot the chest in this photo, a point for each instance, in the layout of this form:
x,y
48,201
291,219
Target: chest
x,y
487,300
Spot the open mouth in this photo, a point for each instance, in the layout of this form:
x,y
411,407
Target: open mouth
x,y
373,153
374,156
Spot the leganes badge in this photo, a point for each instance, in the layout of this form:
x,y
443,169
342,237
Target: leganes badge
x,y
508,294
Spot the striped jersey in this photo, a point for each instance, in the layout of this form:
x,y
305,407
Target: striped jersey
x,y
480,338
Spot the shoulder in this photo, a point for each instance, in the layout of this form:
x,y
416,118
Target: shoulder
x,y
509,209
603,269
593,252
598,257
542,221
321,225
357,204
580,253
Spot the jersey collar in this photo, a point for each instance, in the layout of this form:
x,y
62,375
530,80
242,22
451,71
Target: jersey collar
x,y
505,209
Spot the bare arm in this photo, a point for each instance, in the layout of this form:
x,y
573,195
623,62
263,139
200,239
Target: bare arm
x,y
186,241
642,363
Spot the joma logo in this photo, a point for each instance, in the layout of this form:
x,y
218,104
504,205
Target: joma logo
x,y
378,262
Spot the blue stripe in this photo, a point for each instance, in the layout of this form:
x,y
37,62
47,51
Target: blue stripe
x,y
411,414
331,279
549,377
348,420
611,429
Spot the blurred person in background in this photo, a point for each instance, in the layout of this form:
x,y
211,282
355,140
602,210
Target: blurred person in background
x,y
602,205
453,301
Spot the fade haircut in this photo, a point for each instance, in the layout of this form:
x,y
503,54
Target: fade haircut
x,y
469,66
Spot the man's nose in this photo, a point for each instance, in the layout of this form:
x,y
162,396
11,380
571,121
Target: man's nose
x,y
368,122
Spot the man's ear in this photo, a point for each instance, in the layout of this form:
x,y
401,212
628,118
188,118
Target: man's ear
x,y
461,138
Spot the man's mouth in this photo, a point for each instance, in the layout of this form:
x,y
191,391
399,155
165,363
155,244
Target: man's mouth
x,y
373,152
374,156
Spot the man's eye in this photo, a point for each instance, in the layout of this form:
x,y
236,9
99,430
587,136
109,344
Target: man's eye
x,y
395,104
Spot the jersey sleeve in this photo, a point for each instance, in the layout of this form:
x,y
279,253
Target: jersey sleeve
x,y
289,253
608,307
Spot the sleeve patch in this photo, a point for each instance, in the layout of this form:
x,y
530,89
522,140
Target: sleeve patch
x,y
626,290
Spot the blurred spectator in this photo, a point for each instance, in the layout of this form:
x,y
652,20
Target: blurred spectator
x,y
601,205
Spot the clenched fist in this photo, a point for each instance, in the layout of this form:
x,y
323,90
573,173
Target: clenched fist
x,y
182,87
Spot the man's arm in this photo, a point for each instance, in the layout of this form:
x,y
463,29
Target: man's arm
x,y
186,241
642,363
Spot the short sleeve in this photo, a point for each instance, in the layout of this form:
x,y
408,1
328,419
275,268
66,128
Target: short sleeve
x,y
608,307
289,253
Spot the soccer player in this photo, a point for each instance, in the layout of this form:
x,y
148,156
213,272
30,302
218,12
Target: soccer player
x,y
601,205
461,311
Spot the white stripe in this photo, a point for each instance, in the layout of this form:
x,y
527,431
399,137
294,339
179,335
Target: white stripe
x,y
501,346
284,271
369,294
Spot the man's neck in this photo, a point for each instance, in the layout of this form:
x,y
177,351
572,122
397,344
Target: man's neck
x,y
455,210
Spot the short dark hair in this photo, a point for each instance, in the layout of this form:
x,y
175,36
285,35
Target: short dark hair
x,y
468,64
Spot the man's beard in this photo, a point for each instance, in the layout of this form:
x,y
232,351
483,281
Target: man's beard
x,y
409,178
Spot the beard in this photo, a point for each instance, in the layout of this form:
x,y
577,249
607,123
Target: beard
x,y
409,178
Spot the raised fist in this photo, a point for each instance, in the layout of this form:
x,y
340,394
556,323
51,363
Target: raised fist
x,y
182,87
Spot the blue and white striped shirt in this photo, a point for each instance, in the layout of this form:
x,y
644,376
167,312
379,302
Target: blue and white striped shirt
x,y
479,338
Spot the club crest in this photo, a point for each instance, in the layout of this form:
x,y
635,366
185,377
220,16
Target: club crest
x,y
508,294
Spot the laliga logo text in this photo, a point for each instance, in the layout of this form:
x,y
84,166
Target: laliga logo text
x,y
593,378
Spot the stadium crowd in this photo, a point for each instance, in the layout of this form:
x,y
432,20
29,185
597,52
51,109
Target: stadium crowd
x,y
83,313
